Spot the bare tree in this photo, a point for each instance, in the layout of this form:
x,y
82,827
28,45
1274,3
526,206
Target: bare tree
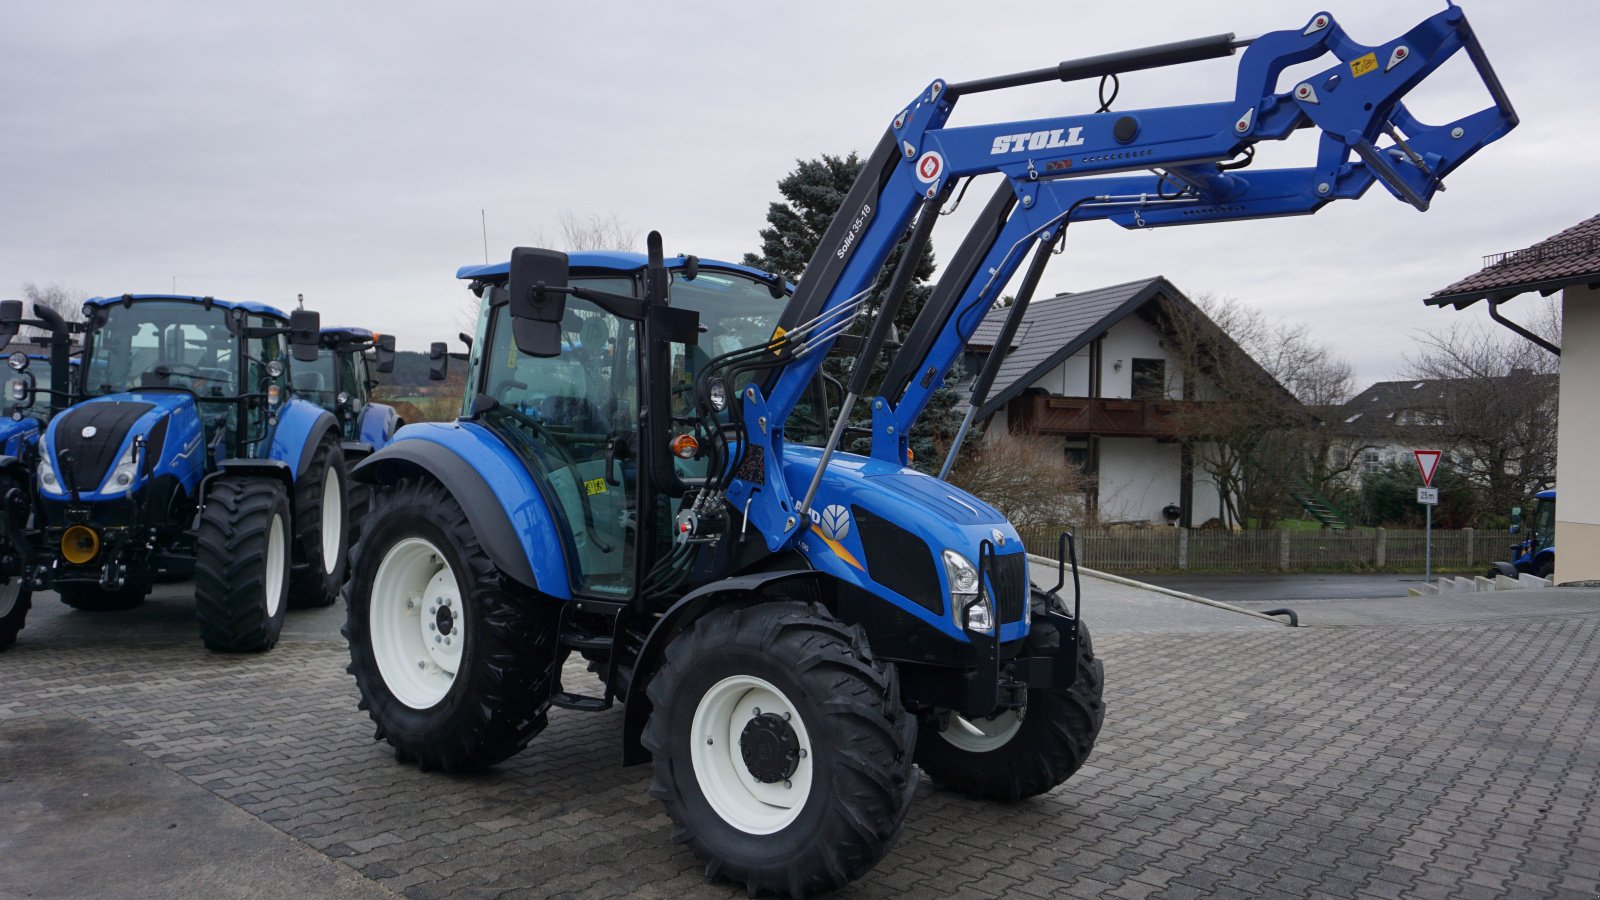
x,y
1024,478
1257,381
67,304
1494,408
596,232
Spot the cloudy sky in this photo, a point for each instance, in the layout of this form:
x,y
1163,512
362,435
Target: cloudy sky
x,y
344,150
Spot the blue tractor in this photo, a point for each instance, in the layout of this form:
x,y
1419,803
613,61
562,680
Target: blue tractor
x,y
1536,553
49,374
646,472
341,380
186,452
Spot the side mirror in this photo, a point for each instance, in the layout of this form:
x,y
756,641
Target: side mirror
x,y
10,319
385,350
22,392
1516,520
305,334
538,299
1515,528
438,360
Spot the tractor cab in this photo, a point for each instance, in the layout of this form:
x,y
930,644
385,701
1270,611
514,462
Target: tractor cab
x,y
577,411
1535,553
341,380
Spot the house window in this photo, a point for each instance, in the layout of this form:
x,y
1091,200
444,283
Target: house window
x,y
1077,457
1149,379
1370,460
1341,457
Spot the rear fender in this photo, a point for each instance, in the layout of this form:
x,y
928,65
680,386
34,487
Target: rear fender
x,y
301,427
743,590
1506,569
378,424
505,507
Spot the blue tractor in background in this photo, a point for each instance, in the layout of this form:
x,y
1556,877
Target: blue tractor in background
x,y
647,474
34,374
340,380
186,451
1536,553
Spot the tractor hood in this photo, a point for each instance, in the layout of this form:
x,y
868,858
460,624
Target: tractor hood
x,y
879,524
85,443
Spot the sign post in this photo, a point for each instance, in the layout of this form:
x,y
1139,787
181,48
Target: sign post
x,y
1428,496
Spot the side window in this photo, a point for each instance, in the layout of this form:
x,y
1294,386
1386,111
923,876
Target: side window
x,y
259,351
1149,379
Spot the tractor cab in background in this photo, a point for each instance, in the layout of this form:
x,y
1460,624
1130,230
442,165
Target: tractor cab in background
x,y
341,380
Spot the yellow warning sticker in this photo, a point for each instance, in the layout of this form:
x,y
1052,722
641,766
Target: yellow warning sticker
x,y
595,486
777,340
1361,65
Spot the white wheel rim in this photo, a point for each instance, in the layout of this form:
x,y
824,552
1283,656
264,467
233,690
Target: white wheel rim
x,y
332,521
417,623
276,559
734,793
983,735
9,592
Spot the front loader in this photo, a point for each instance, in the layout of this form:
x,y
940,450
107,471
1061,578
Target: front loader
x,y
791,627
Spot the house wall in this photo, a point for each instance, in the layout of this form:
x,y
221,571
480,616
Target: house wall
x,y
1578,479
1138,476
1132,337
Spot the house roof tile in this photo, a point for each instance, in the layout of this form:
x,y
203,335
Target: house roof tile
x,y
1569,257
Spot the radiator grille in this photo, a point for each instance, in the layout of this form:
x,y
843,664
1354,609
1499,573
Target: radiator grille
x,y
1009,576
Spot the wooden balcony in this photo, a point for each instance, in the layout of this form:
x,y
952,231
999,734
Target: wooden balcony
x,y
1081,416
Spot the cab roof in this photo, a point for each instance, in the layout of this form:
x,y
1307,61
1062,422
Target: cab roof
x,y
347,333
616,260
1545,495
247,305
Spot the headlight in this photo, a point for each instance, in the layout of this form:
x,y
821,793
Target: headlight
x,y
19,389
963,579
719,395
47,472
18,361
121,477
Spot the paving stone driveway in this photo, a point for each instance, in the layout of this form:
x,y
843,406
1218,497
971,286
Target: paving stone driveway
x,y
1437,759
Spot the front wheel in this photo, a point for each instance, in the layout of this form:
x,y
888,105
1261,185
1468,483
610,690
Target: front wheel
x,y
1019,753
241,579
321,528
15,601
781,747
453,663
1544,566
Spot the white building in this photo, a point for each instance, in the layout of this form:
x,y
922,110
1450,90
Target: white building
x,y
1093,371
1568,262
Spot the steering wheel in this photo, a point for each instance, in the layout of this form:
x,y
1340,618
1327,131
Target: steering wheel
x,y
167,370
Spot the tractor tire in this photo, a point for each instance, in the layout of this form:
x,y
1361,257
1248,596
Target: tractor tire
x,y
16,598
1544,566
1025,752
454,662
321,529
782,749
242,551
94,598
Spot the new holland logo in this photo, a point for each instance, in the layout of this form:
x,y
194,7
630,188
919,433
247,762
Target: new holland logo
x,y
835,522
998,538
832,524
88,431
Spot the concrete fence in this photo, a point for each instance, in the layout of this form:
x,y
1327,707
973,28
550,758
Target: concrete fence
x,y
1169,549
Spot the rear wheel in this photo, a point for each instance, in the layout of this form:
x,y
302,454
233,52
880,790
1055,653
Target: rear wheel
x,y
1019,753
1544,566
242,550
454,663
321,529
782,751
93,598
15,601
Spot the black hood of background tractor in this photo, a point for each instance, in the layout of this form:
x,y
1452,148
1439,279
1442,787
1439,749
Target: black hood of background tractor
x,y
92,457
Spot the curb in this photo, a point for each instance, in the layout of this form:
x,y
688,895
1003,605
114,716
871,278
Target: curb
x,y
1118,579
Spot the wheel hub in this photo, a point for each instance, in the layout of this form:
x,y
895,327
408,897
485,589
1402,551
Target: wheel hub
x,y
770,748
444,620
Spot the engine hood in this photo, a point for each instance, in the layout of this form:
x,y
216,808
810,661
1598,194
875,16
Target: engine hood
x,y
85,441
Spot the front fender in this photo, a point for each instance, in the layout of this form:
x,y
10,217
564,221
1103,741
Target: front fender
x,y
301,427
16,435
377,424
505,507
672,623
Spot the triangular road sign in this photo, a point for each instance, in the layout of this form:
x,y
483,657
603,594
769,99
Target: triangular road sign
x,y
1427,461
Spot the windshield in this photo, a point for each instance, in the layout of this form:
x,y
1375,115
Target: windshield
x,y
735,312
316,381
1544,519
161,344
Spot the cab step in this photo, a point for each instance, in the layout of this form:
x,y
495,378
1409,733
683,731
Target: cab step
x,y
579,702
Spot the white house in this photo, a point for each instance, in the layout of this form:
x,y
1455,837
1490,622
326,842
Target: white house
x,y
1092,370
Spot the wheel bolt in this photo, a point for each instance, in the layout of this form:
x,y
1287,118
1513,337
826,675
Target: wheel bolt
x,y
755,712
802,753
447,642
786,784
437,639
787,717
421,664
432,627
710,741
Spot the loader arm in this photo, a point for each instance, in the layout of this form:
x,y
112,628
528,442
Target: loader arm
x,y
1139,168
